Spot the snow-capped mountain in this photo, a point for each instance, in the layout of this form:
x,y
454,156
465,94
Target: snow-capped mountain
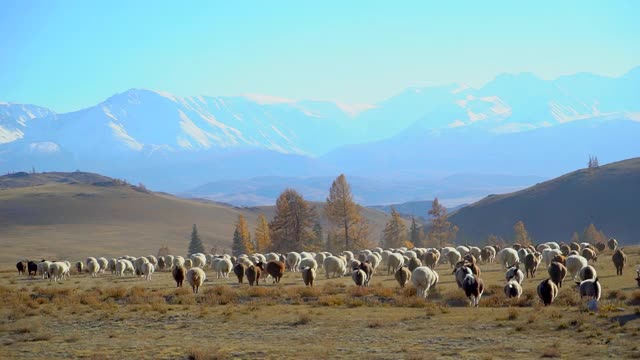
x,y
15,118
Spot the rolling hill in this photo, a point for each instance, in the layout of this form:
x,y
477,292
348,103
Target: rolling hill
x,y
73,215
608,196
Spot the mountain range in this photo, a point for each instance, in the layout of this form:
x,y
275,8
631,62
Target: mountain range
x,y
515,125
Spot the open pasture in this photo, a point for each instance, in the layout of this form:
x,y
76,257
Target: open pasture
x,y
125,318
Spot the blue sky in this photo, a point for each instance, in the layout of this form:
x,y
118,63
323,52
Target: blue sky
x,y
67,55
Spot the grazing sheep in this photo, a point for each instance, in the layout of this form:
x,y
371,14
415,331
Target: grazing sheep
x,y
600,246
195,277
589,254
179,273
79,266
161,263
354,264
612,244
574,264
394,261
147,270
253,273
359,277
547,291
403,275
276,270
239,270
111,265
557,273
508,257
188,263
368,270
514,272
565,249
488,254
178,261
588,272
308,275
122,266
320,259
423,278
414,262
453,256
619,260
293,261
137,264
475,251
560,258
310,262
32,268
57,271
223,268
590,289
334,266
549,254
463,250
198,260
512,289
473,288
374,259
22,267
103,262
531,263
574,246
93,267
430,259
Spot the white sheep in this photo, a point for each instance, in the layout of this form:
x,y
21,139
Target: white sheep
x,y
334,266
272,257
178,261
153,260
93,267
574,264
591,289
305,254
198,260
223,268
513,289
375,259
147,270
309,262
489,254
137,265
320,259
293,261
57,270
514,272
463,250
103,262
43,268
423,278
195,277
476,252
508,257
549,254
111,266
124,265
394,261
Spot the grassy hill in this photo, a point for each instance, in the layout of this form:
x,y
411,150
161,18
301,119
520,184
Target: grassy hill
x,y
72,215
608,196
419,209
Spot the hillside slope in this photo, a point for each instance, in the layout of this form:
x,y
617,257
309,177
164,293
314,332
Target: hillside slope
x,y
608,196
88,214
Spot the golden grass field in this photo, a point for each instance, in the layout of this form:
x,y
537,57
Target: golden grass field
x,y
129,318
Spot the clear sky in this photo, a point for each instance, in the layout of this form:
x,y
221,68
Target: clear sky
x,y
71,54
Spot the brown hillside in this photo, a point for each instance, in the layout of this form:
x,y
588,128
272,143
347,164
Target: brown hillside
x,y
608,196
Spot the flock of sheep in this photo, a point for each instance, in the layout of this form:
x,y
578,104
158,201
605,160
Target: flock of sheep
x,y
415,265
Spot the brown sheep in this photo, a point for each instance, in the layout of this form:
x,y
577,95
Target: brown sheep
x,y
497,247
403,276
589,254
561,259
531,263
254,272
485,255
276,270
612,244
22,267
239,271
557,273
368,270
565,249
547,291
431,259
574,246
619,260
179,273
308,275
414,263
600,246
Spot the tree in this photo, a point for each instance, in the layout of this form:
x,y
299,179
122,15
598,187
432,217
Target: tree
x,y
522,236
291,226
416,235
593,162
195,245
441,230
164,250
317,241
394,234
343,214
591,235
575,237
262,236
241,238
496,240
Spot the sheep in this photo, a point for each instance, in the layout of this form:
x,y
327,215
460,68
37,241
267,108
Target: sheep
x,y
430,259
463,250
32,268
22,267
575,263
79,266
239,270
508,257
600,246
359,277
588,272
547,291
103,262
111,265
549,254
374,259
565,249
471,263
57,270
276,270
253,273
475,251
93,267
473,288
195,277
403,276
560,258
573,252
137,264
308,275
394,261
513,289
423,278
188,263
590,289
354,264
612,244
334,266
516,246
460,273
488,254
169,261
514,272
413,263
589,254
198,260
368,270
178,261
223,268
453,256
179,273
162,264
320,259
147,270
153,260
557,273
293,261
531,263
619,260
